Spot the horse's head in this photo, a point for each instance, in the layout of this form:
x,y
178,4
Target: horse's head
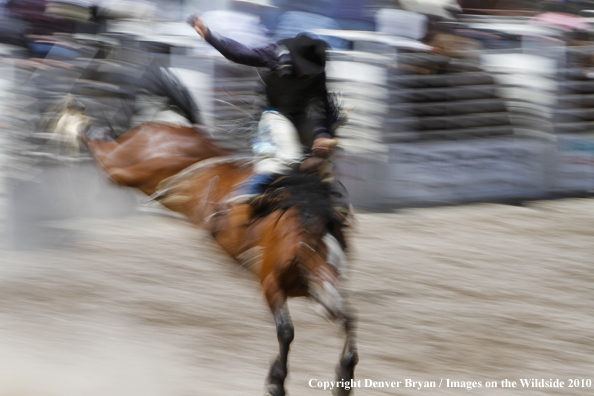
x,y
310,197
313,240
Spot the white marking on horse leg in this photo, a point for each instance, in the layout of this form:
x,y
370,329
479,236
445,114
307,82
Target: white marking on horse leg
x,y
328,297
336,256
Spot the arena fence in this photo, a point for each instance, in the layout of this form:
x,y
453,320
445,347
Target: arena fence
x,y
423,129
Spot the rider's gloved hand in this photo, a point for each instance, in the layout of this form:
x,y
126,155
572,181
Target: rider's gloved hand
x,y
322,147
198,24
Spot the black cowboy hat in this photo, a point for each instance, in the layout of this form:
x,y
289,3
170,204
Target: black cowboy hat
x,y
308,54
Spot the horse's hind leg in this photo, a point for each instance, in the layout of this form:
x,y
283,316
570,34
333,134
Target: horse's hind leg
x,y
345,371
285,333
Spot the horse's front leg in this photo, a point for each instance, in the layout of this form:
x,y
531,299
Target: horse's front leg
x,y
285,332
324,289
345,371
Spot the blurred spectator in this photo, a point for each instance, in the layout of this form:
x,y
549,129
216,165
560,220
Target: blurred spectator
x,y
12,30
573,28
425,20
561,21
447,43
566,6
500,7
32,13
25,22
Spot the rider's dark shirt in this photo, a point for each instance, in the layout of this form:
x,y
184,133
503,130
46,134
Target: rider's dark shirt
x,y
285,92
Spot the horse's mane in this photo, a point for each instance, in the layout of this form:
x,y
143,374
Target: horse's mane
x,y
307,193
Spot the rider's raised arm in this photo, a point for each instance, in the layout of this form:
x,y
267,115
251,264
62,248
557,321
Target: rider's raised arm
x,y
239,53
234,51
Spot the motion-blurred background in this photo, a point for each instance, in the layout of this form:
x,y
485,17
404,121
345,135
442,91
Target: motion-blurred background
x,y
448,102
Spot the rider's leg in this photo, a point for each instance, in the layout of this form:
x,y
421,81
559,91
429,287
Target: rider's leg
x,y
284,151
285,139
277,153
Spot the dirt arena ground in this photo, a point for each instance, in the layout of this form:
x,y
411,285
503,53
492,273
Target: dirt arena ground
x,y
145,305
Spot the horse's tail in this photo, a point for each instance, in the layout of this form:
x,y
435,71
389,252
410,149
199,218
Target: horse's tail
x,y
162,81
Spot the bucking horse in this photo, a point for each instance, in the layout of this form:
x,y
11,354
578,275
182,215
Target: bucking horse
x,y
294,240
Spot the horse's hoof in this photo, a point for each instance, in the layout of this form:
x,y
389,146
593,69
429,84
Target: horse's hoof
x,y
350,359
342,392
275,390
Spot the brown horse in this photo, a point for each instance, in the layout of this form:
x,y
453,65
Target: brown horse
x,y
149,153
291,238
293,242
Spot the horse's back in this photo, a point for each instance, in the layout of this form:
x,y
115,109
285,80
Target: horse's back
x,y
153,151
165,138
197,190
